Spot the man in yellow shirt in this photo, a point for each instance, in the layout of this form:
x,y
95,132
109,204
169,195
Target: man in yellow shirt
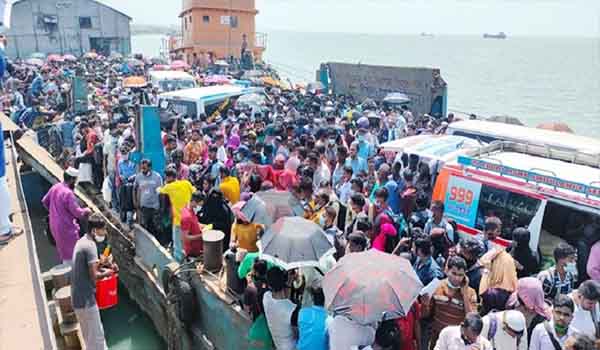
x,y
230,186
180,194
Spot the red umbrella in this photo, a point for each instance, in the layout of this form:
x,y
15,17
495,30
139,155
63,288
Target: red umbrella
x,y
556,126
55,58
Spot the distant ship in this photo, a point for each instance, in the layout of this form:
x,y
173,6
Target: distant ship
x,y
427,34
500,35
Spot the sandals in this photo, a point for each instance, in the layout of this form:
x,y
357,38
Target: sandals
x,y
15,232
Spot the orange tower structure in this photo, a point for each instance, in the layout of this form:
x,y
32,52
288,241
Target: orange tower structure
x,y
220,28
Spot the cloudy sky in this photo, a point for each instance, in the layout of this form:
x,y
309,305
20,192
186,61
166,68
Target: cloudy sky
x,y
516,17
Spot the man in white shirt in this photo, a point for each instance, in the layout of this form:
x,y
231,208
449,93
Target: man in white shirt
x,y
464,337
345,334
547,335
221,152
280,311
505,330
586,317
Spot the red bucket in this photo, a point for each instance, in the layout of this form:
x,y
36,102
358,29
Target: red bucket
x,y
107,294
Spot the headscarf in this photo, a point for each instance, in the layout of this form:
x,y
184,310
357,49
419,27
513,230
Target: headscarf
x,y
531,293
380,241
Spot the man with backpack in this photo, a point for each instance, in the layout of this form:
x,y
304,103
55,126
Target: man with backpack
x,y
561,278
551,335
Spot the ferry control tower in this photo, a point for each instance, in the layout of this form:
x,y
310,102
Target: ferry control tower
x,y
218,28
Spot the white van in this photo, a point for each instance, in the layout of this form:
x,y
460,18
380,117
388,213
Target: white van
x,y
203,100
488,132
167,80
554,193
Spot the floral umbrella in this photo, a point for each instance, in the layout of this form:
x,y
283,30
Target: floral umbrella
x,y
69,57
55,58
371,286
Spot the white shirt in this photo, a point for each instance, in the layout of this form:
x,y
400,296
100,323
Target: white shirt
x,y
582,320
222,154
345,334
540,340
501,339
279,314
450,339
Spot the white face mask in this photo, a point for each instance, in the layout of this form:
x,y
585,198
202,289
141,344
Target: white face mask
x,y
571,267
322,221
99,239
197,210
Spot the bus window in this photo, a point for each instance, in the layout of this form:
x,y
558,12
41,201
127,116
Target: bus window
x,y
514,209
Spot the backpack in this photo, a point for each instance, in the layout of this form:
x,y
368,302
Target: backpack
x,y
398,222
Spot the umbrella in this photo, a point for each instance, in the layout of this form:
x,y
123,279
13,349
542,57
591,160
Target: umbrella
x,y
55,58
91,55
69,57
217,79
555,126
179,64
38,55
34,62
161,67
280,204
371,286
134,82
505,119
256,210
221,63
396,98
293,242
251,100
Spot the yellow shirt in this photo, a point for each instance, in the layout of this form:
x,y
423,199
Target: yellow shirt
x,y
230,186
246,235
180,194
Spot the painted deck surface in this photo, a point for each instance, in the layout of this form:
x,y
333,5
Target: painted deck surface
x,y
23,324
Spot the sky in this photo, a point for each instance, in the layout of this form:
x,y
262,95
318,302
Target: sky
x,y
515,17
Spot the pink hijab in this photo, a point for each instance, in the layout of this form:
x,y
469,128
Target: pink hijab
x,y
530,291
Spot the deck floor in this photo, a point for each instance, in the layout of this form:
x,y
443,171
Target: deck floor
x,y
22,323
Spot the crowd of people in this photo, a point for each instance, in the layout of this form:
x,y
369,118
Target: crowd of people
x,y
324,150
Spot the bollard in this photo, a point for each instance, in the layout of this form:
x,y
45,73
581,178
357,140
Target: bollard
x,y
60,276
213,250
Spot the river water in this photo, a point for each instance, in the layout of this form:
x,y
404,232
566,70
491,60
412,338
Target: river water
x,y
535,79
126,327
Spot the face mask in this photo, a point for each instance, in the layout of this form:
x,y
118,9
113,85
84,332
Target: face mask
x,y
451,286
197,210
331,142
322,221
571,267
560,329
361,138
99,239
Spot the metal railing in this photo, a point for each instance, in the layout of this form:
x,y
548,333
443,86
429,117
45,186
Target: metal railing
x,y
177,42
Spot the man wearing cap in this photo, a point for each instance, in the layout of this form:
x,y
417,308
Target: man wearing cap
x,y
505,330
64,212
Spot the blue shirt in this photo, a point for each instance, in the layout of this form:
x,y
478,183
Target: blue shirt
x,y
428,271
312,329
365,150
393,200
127,169
359,164
37,85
